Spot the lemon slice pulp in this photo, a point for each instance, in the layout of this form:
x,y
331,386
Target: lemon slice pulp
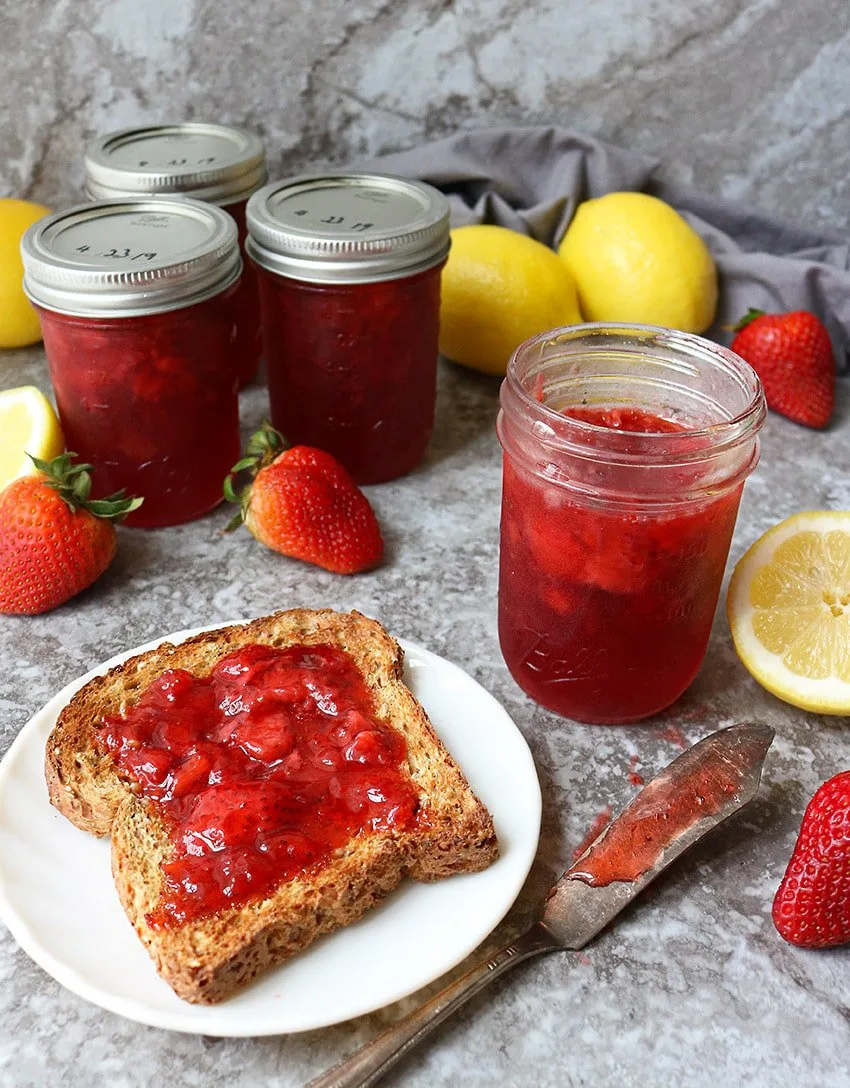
x,y
789,611
28,425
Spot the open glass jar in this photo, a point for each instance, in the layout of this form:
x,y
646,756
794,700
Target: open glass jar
x,y
349,268
625,454
219,164
135,302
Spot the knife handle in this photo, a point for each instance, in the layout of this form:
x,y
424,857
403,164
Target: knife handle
x,y
368,1064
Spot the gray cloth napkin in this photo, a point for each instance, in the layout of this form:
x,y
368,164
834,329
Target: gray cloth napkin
x,y
532,179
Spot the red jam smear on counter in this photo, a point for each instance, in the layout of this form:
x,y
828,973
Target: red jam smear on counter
x,y
260,770
605,613
352,368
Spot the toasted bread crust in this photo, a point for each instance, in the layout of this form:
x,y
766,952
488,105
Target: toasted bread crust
x,y
207,960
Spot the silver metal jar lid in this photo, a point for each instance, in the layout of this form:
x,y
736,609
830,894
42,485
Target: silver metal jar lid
x,y
127,258
347,228
217,163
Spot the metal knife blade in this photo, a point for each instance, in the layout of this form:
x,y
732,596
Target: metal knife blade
x,y
696,792
703,787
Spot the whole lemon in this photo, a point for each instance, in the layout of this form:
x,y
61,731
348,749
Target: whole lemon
x,y
634,258
18,320
498,289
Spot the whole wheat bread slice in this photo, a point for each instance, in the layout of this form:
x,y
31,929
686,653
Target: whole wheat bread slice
x,y
207,960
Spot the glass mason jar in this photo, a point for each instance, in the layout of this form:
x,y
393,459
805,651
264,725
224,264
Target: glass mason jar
x,y
625,452
349,268
219,164
134,298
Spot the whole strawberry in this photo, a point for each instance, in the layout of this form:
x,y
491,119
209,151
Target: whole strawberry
x,y
302,503
812,906
54,540
792,355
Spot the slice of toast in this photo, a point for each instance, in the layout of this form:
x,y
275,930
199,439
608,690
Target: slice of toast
x,y
207,960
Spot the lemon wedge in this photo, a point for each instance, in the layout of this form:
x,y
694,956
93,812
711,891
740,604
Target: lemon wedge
x,y
28,424
789,610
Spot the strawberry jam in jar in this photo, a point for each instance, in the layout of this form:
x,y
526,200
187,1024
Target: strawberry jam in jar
x,y
219,164
349,268
626,449
135,301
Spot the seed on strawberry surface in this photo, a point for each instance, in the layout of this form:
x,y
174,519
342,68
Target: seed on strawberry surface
x,y
54,540
302,503
812,905
792,354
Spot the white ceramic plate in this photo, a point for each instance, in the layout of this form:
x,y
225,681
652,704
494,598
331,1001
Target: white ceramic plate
x,y
58,899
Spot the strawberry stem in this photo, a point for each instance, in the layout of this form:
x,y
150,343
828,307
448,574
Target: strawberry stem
x,y
264,446
747,319
73,483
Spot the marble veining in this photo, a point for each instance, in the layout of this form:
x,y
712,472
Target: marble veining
x,y
749,100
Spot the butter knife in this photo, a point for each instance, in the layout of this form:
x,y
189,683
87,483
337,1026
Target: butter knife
x,y
703,787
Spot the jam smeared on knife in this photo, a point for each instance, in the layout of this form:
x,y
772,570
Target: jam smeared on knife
x,y
259,770
660,814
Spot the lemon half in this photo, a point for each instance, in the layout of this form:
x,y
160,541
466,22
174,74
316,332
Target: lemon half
x,y
28,425
789,609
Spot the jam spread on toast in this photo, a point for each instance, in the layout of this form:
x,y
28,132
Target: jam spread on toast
x,y
260,771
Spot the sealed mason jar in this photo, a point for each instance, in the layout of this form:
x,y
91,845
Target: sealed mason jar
x,y
625,453
134,301
349,268
219,164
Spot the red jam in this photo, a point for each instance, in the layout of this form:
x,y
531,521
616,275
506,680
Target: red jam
x,y
151,403
660,814
260,770
352,368
248,342
600,822
605,613
625,419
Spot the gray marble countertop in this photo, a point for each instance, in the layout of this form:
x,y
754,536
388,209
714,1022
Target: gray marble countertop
x,y
692,987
